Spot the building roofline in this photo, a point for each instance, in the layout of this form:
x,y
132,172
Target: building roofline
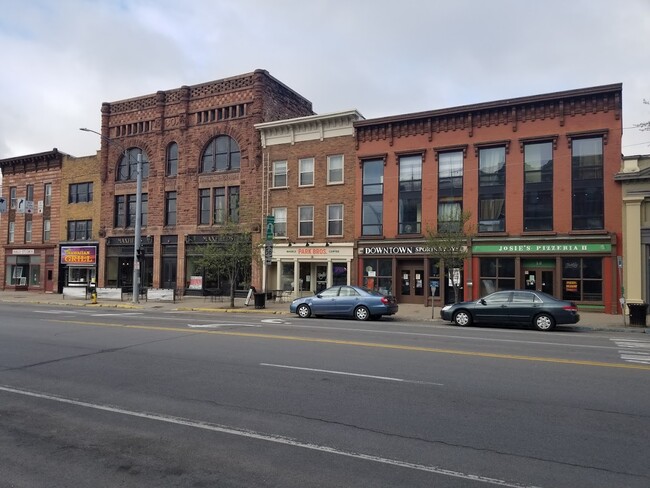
x,y
310,118
509,102
32,158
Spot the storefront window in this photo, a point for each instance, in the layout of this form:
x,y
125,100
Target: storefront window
x,y
378,275
497,274
582,279
340,274
287,277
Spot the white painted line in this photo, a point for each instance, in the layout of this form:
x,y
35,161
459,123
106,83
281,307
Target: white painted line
x,y
344,373
268,438
116,314
216,326
273,321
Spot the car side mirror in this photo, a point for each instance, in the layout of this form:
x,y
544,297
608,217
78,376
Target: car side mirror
x,y
482,301
319,296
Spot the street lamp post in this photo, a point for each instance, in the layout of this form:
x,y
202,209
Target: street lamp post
x,y
138,213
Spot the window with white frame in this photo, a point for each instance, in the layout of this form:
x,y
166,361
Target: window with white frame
x,y
12,231
335,169
279,174
28,231
305,221
280,226
47,226
12,197
335,220
306,170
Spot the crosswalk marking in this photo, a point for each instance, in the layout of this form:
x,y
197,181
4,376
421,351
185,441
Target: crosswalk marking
x,y
633,350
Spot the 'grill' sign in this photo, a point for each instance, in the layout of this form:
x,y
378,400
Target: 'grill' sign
x,y
78,255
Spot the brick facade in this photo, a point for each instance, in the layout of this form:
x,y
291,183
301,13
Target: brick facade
x,y
191,117
558,118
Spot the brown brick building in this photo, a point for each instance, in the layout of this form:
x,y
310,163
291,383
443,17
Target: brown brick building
x,y
201,159
30,225
537,175
309,163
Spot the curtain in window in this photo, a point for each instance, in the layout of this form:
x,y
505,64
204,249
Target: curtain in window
x,y
492,209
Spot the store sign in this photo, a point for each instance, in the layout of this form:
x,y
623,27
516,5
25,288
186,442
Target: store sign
x,y
386,250
569,247
78,255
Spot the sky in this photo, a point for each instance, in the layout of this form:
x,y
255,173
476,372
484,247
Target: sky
x,y
61,59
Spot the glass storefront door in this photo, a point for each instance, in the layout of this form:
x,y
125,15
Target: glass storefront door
x,y
411,281
539,279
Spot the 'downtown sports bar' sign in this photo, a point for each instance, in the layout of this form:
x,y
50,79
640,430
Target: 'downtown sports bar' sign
x,y
78,255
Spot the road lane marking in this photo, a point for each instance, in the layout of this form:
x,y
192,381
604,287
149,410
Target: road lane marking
x,y
635,351
260,335
277,439
344,373
216,326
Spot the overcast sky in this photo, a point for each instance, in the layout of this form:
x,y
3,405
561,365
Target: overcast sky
x,y
62,58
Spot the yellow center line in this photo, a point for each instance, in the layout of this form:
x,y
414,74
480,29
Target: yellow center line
x,y
456,352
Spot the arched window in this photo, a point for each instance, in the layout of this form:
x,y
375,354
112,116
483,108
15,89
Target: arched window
x,y
222,154
171,168
127,169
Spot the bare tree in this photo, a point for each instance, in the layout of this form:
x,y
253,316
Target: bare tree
x,y
230,257
450,244
643,125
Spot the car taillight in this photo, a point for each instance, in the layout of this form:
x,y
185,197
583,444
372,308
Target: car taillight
x,y
570,308
385,300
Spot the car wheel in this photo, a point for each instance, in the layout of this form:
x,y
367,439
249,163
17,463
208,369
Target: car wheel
x,y
303,311
361,313
544,322
462,318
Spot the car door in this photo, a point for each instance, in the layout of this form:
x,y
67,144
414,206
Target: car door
x,y
523,307
493,308
347,301
325,303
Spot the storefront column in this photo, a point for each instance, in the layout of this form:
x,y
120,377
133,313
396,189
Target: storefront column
x,y
296,278
278,274
330,270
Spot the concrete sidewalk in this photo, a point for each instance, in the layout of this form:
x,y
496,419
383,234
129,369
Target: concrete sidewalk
x,y
407,312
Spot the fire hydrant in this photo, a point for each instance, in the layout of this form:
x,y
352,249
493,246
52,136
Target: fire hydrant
x,y
92,288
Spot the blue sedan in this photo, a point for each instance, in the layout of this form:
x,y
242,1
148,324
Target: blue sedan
x,y
345,301
522,307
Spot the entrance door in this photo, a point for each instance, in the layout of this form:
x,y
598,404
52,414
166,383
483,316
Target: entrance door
x,y
411,279
539,279
49,278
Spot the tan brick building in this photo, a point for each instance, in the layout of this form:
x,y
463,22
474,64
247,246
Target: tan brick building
x,y
79,223
309,166
537,175
30,227
201,159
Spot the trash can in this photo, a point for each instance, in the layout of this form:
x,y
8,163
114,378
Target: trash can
x,y
638,313
260,300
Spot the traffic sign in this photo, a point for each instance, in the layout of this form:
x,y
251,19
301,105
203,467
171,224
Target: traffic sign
x,y
270,224
268,253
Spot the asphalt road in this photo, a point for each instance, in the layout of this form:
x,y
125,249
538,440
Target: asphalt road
x,y
108,398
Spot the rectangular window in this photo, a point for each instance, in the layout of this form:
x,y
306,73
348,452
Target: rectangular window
x,y
219,216
538,186
335,220
410,194
233,204
80,230
492,190
450,190
12,197
279,174
119,219
378,275
172,160
30,193
280,226
497,274
204,206
170,208
28,231
12,232
372,195
48,194
306,170
582,279
587,182
46,229
305,221
335,169
80,193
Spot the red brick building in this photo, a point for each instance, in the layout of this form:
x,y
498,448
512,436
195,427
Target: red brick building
x,y
537,175
309,166
201,164
30,226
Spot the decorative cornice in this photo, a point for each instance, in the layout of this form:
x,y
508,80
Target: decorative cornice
x,y
529,140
